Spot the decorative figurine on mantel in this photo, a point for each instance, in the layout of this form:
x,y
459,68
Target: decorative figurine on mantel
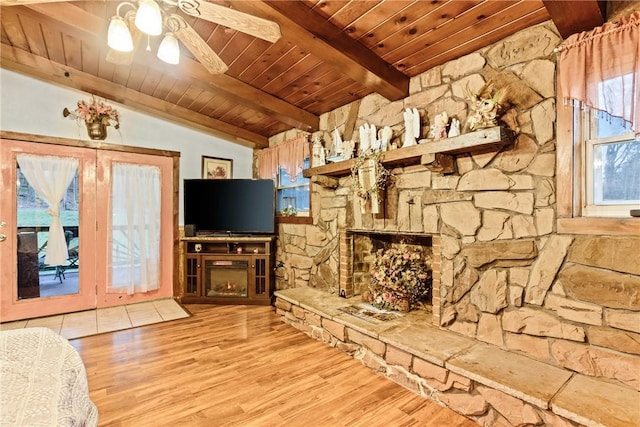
x,y
340,150
485,106
385,137
318,157
337,144
368,137
439,127
454,128
336,153
411,127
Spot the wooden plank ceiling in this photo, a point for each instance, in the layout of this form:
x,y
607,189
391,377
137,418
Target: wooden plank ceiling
x,y
330,54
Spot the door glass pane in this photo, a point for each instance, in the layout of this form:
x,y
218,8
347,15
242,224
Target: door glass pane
x,y
36,278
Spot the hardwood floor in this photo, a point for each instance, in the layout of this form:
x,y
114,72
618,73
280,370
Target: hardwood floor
x,y
241,366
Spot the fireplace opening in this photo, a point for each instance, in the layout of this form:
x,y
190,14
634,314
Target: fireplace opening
x,y
358,251
225,278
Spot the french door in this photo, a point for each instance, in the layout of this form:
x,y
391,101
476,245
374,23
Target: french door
x,y
49,269
127,266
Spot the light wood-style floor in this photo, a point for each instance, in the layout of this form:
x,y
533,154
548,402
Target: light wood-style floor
x,y
241,366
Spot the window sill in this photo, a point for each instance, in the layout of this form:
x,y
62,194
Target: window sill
x,y
294,220
612,226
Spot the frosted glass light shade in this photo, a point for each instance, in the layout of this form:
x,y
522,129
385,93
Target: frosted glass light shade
x,y
118,36
149,18
169,50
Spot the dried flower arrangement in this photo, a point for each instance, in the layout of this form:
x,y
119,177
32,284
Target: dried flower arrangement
x,y
95,111
400,278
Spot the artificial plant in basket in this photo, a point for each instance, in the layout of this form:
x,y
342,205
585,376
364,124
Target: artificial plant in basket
x,y
400,278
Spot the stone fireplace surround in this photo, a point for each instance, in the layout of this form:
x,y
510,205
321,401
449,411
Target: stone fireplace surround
x,y
517,298
481,381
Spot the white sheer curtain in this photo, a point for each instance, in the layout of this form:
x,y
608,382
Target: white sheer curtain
x,y
600,69
50,177
135,228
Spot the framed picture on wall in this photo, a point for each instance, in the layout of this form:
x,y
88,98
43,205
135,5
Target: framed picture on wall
x,y
216,168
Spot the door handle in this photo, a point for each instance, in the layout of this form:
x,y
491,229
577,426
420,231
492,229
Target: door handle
x,y
3,224
3,237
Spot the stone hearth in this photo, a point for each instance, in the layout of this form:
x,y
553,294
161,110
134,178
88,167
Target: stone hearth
x,y
481,381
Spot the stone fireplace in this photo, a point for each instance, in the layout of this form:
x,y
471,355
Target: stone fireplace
x,y
506,276
357,249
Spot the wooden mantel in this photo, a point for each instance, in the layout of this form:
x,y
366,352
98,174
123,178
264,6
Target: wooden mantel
x,y
480,140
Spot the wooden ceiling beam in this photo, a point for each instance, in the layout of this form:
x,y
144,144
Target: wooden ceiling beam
x,y
311,32
71,16
41,68
572,17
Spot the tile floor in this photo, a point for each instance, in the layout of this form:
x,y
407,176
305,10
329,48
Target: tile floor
x,y
91,322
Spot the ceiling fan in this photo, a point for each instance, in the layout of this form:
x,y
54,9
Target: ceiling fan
x,y
177,26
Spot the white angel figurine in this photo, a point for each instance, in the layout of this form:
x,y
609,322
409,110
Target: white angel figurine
x,y
364,138
385,138
454,128
416,123
338,149
411,127
374,144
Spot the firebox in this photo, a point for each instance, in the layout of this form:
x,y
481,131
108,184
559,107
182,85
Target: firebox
x,y
226,278
358,249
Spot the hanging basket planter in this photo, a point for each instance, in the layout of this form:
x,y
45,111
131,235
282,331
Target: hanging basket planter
x,y
96,115
97,130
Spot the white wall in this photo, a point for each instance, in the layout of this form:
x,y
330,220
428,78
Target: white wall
x,y
32,106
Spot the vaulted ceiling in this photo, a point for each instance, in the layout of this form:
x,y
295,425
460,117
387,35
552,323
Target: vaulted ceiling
x,y
330,54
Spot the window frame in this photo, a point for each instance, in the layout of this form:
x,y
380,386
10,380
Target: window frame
x,y
569,177
294,219
592,142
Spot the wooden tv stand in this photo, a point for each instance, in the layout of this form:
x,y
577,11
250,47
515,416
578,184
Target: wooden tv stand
x,y
228,270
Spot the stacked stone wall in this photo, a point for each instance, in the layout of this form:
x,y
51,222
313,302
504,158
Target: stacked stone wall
x,y
507,277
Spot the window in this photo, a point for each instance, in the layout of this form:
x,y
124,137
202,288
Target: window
x,y
293,195
598,130
611,184
598,173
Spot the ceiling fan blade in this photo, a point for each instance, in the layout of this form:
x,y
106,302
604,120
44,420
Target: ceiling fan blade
x,y
249,24
200,49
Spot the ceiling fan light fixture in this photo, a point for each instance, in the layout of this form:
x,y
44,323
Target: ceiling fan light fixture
x,y
119,37
169,50
149,18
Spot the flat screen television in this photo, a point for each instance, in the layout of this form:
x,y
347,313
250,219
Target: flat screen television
x,y
230,206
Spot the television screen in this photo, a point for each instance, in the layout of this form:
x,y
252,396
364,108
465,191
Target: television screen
x,y
230,206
